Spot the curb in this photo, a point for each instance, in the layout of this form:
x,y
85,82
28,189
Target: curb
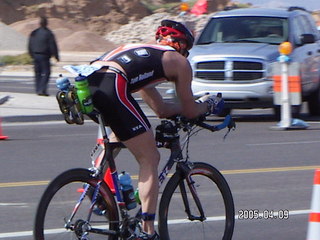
x,y
32,118
50,117
43,118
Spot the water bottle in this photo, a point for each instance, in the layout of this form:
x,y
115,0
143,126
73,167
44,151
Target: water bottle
x,y
63,83
127,190
137,197
84,94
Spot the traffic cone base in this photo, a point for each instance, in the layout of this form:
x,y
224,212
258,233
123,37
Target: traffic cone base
x,y
2,137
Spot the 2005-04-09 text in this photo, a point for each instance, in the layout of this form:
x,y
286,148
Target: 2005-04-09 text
x,y
251,214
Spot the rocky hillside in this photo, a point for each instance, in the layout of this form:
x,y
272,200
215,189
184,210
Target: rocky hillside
x,y
90,25
93,25
144,29
100,16
97,15
70,36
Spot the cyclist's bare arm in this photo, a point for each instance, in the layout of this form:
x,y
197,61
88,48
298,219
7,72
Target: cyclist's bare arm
x,y
162,108
178,70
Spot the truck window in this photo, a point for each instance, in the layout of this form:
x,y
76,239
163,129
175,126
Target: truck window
x,y
302,26
245,29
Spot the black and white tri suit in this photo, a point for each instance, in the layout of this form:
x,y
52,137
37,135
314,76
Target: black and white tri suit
x,y
111,91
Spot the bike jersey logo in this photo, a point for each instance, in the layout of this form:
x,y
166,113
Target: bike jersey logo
x,y
136,128
142,52
142,77
124,59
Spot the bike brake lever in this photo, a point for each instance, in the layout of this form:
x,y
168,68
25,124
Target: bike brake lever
x,y
231,125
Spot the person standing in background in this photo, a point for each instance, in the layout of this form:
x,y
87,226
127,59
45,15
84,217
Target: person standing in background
x,y
42,46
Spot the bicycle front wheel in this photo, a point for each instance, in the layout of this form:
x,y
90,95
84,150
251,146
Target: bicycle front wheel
x,y
65,212
200,208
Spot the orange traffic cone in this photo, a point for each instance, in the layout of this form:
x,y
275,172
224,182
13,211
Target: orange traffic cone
x,y
2,137
314,216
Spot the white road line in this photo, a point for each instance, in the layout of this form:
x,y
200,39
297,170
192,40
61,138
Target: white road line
x,y
177,221
281,143
12,204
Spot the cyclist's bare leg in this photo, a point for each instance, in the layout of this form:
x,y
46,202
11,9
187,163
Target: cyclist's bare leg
x,y
144,148
113,138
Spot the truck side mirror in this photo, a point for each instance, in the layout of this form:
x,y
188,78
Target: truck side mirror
x,y
307,38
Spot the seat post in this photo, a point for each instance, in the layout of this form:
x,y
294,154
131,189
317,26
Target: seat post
x,y
103,128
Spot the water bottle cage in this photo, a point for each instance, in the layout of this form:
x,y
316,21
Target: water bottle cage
x,y
69,106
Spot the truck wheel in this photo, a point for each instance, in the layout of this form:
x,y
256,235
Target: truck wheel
x,y
314,103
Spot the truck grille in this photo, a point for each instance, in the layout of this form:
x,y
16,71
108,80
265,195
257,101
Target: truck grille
x,y
230,70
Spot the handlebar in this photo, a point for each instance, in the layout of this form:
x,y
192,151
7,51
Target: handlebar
x,y
167,131
184,123
227,122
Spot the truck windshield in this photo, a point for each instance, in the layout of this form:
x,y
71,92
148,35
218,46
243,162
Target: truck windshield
x,y
245,29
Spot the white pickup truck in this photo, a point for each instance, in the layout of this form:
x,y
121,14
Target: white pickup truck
x,y
234,52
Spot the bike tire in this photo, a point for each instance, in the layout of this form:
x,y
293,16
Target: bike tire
x,y
59,200
215,197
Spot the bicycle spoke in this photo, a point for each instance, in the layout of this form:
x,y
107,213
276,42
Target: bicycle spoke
x,y
203,217
213,206
66,213
60,207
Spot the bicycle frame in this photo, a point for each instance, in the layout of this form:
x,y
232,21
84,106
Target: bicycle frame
x,y
108,166
104,165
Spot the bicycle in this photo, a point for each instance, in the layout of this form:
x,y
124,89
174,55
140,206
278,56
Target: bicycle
x,y
85,204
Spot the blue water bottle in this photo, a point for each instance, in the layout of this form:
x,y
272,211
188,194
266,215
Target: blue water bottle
x,y
127,190
63,83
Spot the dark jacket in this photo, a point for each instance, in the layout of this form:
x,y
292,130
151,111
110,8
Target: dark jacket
x,y
42,41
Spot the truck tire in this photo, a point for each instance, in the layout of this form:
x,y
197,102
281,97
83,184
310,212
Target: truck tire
x,y
314,103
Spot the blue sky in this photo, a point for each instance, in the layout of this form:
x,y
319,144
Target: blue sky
x,y
310,5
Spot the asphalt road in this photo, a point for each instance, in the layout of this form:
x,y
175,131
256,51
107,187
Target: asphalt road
x,y
266,170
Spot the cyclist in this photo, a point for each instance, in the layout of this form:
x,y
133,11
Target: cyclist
x,y
139,67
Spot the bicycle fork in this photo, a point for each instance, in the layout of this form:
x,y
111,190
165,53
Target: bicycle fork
x,y
185,172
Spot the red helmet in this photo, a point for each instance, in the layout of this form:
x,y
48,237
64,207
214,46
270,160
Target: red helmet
x,y
176,30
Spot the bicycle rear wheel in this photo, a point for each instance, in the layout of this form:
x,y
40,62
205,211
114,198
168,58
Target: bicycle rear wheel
x,y
61,198
216,200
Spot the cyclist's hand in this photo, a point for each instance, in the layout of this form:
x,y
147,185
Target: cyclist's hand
x,y
215,103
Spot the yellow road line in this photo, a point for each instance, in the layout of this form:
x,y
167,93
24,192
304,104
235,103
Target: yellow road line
x,y
23,184
267,170
226,172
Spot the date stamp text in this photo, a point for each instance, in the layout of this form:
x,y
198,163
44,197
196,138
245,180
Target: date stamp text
x,y
252,214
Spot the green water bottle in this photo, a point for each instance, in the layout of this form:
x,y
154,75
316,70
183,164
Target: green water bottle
x,y
84,94
136,195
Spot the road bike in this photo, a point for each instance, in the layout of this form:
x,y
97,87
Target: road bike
x,y
196,202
